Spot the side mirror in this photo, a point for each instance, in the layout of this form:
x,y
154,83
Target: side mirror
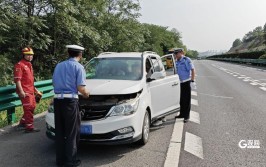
x,y
156,75
149,80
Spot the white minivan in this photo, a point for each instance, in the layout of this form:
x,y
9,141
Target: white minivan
x,y
128,92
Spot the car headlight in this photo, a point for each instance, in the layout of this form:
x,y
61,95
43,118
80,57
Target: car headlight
x,y
125,108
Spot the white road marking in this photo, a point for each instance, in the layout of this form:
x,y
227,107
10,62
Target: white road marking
x,y
225,97
194,117
193,93
245,79
194,102
253,83
263,84
193,145
173,153
177,132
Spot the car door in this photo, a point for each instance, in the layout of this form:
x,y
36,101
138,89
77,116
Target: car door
x,y
173,78
163,90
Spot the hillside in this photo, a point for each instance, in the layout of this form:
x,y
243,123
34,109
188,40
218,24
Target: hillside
x,y
253,45
252,41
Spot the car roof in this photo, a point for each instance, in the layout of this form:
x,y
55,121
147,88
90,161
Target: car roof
x,y
124,54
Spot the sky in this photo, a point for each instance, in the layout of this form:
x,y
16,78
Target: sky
x,y
206,24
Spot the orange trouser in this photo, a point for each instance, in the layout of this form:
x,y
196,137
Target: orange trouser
x,y
29,105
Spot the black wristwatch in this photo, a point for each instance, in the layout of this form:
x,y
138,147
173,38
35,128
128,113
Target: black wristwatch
x,y
192,80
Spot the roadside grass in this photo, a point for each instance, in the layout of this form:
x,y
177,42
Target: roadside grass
x,y
40,107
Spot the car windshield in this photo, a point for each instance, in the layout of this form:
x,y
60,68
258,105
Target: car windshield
x,y
120,68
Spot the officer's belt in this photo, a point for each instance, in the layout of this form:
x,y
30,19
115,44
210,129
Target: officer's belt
x,y
61,96
185,80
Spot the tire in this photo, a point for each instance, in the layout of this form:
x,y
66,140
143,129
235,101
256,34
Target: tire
x,y
145,129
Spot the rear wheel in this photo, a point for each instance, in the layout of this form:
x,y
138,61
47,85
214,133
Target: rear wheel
x,y
145,129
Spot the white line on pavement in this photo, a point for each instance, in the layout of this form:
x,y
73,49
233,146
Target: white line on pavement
x,y
263,88
263,84
253,83
193,93
194,102
225,97
193,145
172,157
173,153
194,117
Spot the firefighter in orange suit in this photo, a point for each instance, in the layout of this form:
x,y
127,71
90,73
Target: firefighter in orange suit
x,y
24,79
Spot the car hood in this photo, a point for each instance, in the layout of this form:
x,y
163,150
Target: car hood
x,y
111,87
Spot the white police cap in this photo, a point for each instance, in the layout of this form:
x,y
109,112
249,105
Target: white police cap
x,y
177,50
75,48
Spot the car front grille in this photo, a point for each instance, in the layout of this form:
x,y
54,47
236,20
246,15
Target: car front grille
x,y
95,112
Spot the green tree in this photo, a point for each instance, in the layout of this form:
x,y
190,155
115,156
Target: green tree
x,y
264,31
192,54
236,43
159,39
98,25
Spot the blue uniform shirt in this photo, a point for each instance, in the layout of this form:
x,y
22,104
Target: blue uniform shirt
x,y
183,68
68,75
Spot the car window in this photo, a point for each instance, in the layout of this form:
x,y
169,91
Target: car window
x,y
148,67
115,68
156,65
168,63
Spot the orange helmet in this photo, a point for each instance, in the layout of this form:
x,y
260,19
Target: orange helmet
x,y
27,51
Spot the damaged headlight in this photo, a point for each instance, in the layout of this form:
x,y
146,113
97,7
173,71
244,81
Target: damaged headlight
x,y
125,108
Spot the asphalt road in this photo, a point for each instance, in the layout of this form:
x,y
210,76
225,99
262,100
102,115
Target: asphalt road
x,y
36,150
231,106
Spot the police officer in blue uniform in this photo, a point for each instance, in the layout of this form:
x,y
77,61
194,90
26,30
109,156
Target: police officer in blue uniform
x,y
186,72
69,78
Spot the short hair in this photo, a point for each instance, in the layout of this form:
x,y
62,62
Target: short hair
x,y
73,53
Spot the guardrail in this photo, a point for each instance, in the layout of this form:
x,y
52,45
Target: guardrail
x,y
238,60
9,100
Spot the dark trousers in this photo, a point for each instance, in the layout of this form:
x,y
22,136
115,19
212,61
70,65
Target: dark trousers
x,y
67,129
185,99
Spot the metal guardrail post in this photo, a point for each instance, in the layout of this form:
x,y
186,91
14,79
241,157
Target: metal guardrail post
x,y
11,116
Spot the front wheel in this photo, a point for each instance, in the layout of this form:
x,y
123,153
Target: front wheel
x,y
145,129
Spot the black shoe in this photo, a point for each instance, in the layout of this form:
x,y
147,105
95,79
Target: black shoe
x,y
73,164
21,127
179,116
185,120
60,164
32,130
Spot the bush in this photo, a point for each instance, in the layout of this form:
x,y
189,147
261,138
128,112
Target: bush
x,y
244,55
6,68
263,56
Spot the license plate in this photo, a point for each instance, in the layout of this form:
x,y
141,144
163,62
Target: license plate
x,y
86,129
